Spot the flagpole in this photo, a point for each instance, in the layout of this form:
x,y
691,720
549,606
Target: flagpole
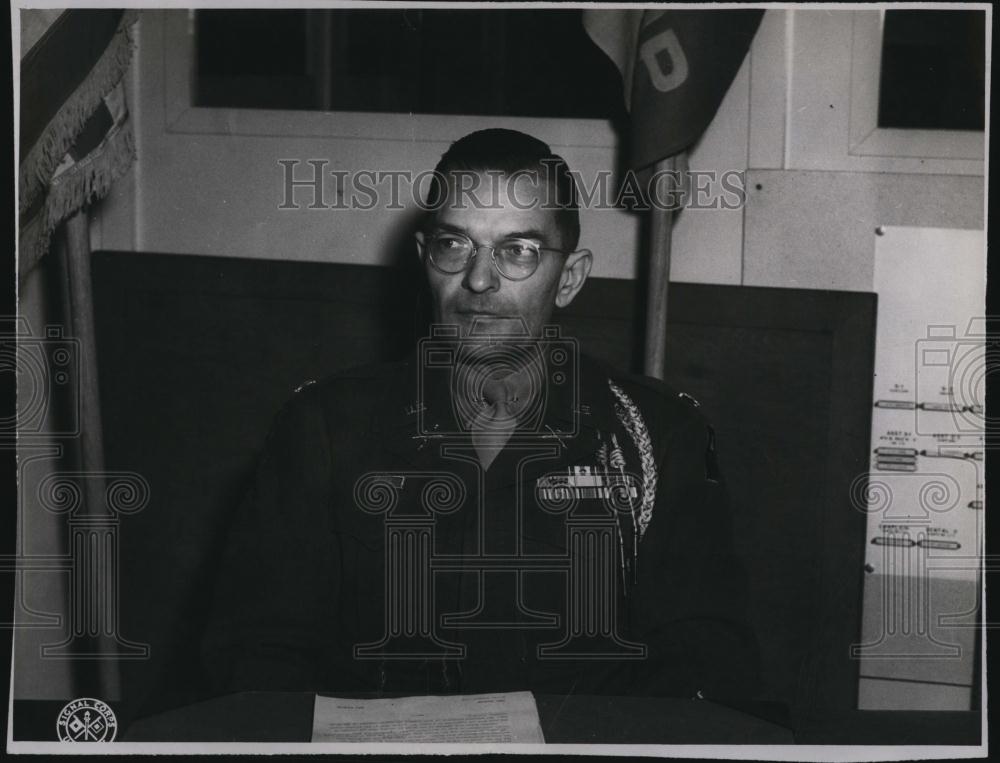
x,y
81,313
660,232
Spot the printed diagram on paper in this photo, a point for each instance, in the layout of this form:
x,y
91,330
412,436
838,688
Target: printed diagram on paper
x,y
925,492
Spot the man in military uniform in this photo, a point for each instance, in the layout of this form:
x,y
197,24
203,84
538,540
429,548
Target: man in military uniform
x,y
497,512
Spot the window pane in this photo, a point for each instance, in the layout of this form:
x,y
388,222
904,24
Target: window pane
x,y
251,58
933,70
481,62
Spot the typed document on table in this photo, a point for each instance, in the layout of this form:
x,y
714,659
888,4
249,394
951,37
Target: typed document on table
x,y
510,717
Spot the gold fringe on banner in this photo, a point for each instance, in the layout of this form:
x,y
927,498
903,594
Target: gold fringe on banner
x,y
86,181
64,128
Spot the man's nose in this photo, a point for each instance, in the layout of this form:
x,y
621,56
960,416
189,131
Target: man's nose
x,y
481,275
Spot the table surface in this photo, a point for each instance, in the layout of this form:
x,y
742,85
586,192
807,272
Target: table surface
x,y
581,719
279,717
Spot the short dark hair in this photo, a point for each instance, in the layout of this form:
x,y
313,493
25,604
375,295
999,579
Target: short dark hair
x,y
510,152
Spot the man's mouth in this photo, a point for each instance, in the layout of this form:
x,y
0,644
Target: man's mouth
x,y
488,323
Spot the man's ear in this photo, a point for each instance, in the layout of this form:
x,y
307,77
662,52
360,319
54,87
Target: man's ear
x,y
574,273
419,236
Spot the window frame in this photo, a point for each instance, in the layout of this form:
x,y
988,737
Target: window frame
x,y
866,137
182,116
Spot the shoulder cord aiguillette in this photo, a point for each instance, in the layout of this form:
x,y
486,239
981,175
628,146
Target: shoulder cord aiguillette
x,y
630,417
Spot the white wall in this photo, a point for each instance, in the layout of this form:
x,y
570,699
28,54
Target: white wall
x,y
208,180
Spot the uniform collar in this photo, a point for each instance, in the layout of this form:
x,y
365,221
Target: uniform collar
x,y
418,408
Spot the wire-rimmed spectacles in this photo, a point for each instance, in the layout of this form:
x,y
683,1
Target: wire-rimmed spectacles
x,y
514,258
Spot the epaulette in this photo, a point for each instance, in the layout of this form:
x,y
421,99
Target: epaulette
x,y
303,385
687,398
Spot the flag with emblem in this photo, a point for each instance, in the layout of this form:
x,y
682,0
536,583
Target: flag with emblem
x,y
75,138
676,67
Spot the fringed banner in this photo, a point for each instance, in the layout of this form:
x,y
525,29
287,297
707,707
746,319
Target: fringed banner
x,y
676,67
86,142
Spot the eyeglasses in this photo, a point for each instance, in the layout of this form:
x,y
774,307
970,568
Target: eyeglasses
x,y
514,258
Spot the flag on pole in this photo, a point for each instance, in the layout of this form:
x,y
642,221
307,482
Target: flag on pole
x,y
676,67
75,139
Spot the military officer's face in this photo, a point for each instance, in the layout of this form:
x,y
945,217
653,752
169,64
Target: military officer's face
x,y
480,293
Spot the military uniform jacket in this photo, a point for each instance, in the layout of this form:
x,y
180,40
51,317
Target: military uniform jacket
x,y
373,554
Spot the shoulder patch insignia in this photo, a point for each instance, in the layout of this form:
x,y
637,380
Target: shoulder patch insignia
x,y
688,398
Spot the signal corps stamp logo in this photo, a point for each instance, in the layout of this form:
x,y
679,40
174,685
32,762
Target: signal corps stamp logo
x,y
86,720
